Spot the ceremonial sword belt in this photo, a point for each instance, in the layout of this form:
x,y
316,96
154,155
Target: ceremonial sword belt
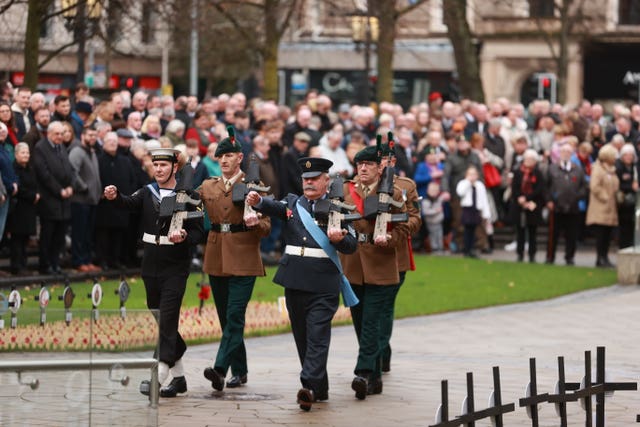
x,y
229,228
156,239
305,252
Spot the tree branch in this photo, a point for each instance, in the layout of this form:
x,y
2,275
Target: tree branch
x,y
285,23
6,5
236,24
410,7
55,53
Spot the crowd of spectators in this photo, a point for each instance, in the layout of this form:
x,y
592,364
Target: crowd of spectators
x,y
476,166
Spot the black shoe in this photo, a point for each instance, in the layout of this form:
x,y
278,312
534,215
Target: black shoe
x,y
486,251
571,262
305,399
532,259
145,387
520,258
375,386
216,378
177,385
386,365
360,386
237,381
608,264
322,395
551,262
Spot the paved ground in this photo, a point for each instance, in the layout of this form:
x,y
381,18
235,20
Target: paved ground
x,y
426,350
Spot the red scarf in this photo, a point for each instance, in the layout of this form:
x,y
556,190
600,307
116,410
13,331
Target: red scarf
x,y
586,164
528,180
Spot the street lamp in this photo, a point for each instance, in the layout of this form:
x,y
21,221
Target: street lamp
x,y
364,32
81,18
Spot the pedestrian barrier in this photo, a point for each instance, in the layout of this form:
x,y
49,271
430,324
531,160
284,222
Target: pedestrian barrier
x,y
564,393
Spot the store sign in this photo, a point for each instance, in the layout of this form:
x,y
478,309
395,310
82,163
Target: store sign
x,y
631,78
335,82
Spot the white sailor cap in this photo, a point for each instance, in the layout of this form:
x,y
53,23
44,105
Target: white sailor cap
x,y
168,154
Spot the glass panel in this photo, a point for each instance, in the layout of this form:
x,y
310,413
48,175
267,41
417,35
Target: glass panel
x,y
83,373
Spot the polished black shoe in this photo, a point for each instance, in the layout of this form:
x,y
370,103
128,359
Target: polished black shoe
x,y
177,385
145,387
216,378
360,386
322,395
305,399
236,381
386,366
374,386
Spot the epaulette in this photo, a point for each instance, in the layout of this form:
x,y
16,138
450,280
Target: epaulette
x,y
215,178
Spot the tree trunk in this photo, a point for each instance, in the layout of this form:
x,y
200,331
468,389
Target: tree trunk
x,y
465,52
36,13
387,17
270,51
562,62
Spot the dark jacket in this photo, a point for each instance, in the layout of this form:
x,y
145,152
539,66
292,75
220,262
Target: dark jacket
x,y
33,136
54,172
85,163
161,260
291,172
537,195
318,275
566,188
114,170
22,217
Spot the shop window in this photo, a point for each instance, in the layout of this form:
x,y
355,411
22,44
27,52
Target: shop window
x,y
629,12
541,8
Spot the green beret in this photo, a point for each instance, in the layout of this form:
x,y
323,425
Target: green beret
x,y
368,154
229,144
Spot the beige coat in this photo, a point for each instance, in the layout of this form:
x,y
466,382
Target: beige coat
x,y
371,264
231,254
603,186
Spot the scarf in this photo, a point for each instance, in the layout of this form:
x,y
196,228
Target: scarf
x,y
528,180
586,164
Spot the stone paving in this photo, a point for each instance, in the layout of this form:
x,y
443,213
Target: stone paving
x,y
426,350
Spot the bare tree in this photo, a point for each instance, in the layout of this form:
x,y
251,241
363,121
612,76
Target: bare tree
x,y
464,50
261,24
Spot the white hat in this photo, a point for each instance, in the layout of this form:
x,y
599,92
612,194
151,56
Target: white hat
x,y
168,154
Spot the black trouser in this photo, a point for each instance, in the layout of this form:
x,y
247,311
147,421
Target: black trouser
x,y
521,233
109,245
83,218
469,235
51,242
603,238
18,251
567,224
165,294
626,230
310,315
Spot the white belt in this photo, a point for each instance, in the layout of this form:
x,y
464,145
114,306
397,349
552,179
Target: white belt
x,y
305,252
151,238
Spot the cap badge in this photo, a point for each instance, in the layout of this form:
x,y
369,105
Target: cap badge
x,y
308,164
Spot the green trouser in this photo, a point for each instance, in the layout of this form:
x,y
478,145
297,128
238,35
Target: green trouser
x,y
231,296
374,300
387,325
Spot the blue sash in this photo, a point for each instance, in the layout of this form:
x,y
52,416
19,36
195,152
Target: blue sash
x,y
349,298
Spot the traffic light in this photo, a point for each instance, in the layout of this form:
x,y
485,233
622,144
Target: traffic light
x,y
547,84
128,82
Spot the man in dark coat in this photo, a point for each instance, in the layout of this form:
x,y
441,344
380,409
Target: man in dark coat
x,y
290,169
112,221
312,299
38,131
56,180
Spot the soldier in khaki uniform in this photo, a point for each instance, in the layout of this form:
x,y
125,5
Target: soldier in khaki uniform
x,y
232,260
372,271
405,254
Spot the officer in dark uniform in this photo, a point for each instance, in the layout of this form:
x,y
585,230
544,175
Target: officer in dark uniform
x,y
310,277
165,264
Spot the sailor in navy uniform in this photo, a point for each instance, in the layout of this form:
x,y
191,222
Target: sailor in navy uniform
x,y
165,264
310,278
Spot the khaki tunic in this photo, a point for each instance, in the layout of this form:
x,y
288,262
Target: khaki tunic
x,y
408,186
604,183
230,254
371,264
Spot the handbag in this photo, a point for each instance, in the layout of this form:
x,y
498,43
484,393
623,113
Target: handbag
x,y
491,174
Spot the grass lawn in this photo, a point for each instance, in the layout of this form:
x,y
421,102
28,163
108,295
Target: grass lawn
x,y
439,284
